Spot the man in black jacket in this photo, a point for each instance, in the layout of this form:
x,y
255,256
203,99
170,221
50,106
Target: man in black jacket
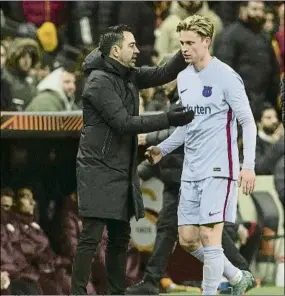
x,y
108,184
245,47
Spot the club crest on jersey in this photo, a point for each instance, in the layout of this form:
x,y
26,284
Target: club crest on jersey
x,y
207,91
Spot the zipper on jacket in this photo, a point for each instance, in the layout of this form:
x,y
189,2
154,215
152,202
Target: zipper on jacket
x,y
105,144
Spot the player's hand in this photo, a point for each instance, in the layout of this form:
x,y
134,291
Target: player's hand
x,y
142,139
179,116
246,180
153,154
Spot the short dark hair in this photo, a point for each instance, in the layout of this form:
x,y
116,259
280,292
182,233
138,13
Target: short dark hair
x,y
263,107
113,35
7,191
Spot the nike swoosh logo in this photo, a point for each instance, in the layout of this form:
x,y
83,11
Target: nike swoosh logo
x,y
182,91
212,214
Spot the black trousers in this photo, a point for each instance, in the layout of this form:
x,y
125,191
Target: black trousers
x,y
231,251
90,237
243,257
166,235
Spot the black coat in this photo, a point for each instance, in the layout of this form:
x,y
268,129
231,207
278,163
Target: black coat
x,y
108,184
252,56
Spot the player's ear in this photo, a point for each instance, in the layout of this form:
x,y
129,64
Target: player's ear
x,y
208,41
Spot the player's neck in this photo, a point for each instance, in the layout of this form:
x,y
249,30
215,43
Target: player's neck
x,y
203,62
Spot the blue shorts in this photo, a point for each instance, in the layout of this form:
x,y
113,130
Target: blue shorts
x,y
211,200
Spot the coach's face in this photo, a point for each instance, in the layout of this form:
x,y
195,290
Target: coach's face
x,y
193,46
128,51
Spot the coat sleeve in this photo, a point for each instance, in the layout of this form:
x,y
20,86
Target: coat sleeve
x,y
157,137
154,76
101,94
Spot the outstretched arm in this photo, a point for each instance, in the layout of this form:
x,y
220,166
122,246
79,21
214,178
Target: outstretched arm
x,y
175,140
157,137
101,94
154,76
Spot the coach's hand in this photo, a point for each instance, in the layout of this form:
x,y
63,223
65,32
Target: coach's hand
x,y
153,154
180,117
246,179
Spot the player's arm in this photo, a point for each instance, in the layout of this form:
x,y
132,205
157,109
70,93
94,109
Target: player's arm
x,y
238,101
155,153
175,140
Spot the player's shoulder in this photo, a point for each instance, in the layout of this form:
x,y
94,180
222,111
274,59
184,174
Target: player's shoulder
x,y
228,73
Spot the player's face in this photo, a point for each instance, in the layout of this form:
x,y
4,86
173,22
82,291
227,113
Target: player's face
x,y
128,52
193,46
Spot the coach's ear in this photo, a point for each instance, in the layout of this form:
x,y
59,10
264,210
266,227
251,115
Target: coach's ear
x,y
115,51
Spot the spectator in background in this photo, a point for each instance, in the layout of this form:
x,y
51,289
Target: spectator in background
x,y
271,26
244,46
270,131
23,55
7,198
6,95
44,68
20,277
55,92
280,35
140,15
167,40
228,11
36,247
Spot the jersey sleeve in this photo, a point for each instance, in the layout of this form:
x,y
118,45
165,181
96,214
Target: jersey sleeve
x,y
237,99
175,140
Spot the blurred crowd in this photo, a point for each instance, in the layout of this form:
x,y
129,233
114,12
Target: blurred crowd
x,y
43,44
32,263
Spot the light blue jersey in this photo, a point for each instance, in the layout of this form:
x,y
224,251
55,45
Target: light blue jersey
x,y
217,96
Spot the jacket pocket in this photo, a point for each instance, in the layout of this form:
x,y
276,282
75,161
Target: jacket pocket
x,y
106,143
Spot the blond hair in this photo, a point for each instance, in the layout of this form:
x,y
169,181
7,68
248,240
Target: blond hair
x,y
198,24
